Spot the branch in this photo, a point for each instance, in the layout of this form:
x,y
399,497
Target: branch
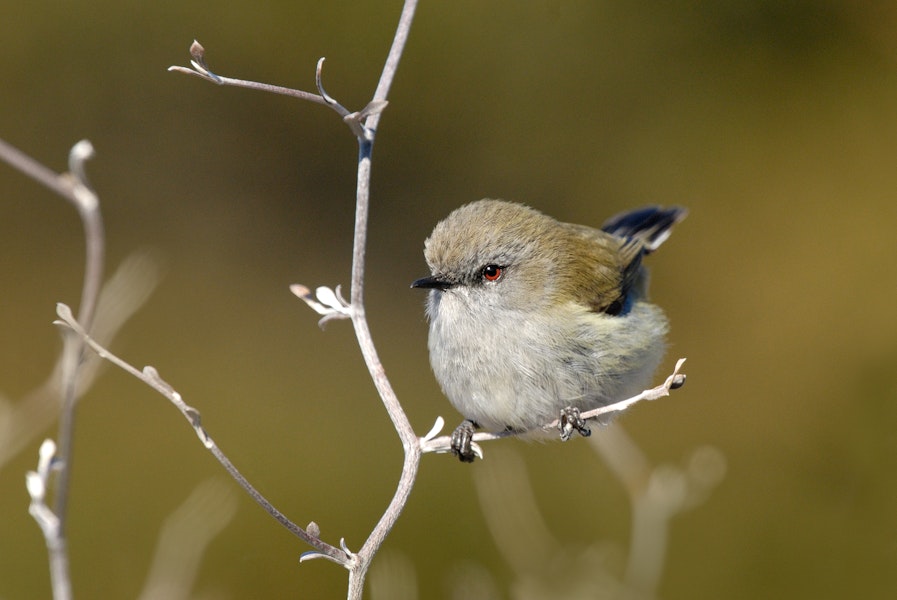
x,y
330,304
201,69
443,444
37,483
355,120
74,187
151,377
88,205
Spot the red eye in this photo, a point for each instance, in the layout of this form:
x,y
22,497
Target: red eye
x,y
492,272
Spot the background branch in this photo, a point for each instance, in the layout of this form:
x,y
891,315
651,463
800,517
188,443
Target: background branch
x,y
72,186
151,377
363,125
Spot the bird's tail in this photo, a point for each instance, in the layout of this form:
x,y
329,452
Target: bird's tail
x,y
651,225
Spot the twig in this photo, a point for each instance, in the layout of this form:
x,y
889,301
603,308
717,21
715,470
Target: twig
x,y
369,118
74,187
201,69
330,304
88,207
151,377
443,444
675,381
37,483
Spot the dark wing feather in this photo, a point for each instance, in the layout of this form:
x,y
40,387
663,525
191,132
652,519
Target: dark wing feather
x,y
625,238
652,225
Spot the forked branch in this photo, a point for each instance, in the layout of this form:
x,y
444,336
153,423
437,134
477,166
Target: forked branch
x,y
202,70
355,120
55,458
331,305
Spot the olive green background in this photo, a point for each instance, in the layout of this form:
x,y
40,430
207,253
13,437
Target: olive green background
x,y
774,122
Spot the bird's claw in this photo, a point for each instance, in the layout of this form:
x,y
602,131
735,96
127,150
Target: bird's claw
x,y
462,437
570,421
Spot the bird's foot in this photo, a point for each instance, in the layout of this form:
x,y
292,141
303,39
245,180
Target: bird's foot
x,y
462,437
570,421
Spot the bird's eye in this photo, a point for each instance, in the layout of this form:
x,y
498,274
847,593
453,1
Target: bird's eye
x,y
492,272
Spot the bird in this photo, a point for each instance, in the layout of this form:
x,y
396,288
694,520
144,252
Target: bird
x,y
532,319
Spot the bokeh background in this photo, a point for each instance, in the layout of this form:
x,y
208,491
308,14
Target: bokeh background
x,y
774,122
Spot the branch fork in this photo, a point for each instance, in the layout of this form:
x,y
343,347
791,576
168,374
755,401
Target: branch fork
x,y
357,121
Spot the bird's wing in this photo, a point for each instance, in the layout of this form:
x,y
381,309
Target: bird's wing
x,y
615,252
610,267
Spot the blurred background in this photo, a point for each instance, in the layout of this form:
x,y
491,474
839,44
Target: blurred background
x,y
775,123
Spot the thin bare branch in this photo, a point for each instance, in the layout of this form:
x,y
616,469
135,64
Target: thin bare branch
x,y
319,83
151,377
72,186
36,171
395,55
88,205
410,442
443,444
330,304
200,69
675,381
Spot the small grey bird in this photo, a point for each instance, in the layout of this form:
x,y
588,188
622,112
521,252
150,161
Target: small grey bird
x,y
532,319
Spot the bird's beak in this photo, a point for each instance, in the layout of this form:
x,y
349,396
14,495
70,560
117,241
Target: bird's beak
x,y
433,283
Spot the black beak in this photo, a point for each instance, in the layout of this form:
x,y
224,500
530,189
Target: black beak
x,y
432,283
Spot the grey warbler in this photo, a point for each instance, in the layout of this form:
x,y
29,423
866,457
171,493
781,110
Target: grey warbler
x,y
532,319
